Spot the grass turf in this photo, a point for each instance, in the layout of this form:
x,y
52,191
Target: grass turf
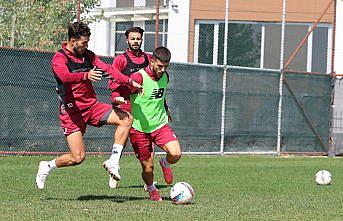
x,y
226,188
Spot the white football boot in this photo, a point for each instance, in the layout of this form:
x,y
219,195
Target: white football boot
x,y
113,170
42,174
113,183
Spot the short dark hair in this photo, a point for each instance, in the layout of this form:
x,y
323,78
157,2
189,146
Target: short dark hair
x,y
162,53
78,29
134,29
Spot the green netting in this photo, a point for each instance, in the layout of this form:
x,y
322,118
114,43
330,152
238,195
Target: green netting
x,y
313,92
29,108
251,110
195,98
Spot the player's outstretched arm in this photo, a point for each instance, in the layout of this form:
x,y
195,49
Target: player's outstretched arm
x,y
137,87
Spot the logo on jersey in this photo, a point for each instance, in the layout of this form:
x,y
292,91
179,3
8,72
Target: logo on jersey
x,y
133,70
157,93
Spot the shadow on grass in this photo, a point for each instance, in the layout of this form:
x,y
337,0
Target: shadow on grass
x,y
118,199
162,186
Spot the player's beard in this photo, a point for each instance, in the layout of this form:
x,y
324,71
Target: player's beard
x,y
78,51
158,74
135,47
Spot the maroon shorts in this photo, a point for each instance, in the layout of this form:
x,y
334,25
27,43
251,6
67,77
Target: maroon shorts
x,y
125,107
77,121
143,143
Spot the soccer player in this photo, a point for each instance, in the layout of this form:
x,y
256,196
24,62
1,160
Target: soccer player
x,y
74,67
150,121
131,61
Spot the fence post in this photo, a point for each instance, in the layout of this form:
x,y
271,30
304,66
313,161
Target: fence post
x,y
226,31
279,121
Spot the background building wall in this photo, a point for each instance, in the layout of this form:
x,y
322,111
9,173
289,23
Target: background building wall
x,y
339,38
256,10
178,26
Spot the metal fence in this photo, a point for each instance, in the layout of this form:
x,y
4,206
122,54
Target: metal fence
x,y
217,106
29,109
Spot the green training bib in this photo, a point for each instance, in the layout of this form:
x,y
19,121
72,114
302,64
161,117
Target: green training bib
x,y
148,111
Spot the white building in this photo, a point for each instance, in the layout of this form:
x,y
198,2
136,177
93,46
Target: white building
x,y
108,35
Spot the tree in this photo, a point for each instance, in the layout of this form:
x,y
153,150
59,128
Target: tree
x,y
39,24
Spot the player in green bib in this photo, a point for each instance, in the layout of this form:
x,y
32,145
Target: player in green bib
x,y
149,110
150,121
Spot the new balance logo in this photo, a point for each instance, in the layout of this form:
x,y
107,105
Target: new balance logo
x,y
157,93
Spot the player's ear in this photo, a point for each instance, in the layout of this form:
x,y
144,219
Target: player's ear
x,y
72,41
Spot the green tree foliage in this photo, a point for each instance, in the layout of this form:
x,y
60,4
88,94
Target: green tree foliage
x,y
39,24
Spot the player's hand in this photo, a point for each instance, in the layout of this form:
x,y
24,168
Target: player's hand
x,y
169,115
94,75
119,100
138,87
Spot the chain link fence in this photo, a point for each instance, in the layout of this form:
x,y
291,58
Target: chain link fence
x,y
29,116
224,96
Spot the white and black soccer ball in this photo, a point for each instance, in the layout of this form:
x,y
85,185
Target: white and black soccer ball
x,y
323,177
181,193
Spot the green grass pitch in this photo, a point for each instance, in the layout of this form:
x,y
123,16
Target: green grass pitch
x,y
226,188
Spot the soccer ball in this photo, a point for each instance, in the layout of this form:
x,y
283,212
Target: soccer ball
x,y
181,193
323,177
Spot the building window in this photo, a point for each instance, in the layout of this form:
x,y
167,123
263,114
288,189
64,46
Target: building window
x,y
149,34
206,36
254,44
125,3
120,38
244,44
153,2
148,37
319,57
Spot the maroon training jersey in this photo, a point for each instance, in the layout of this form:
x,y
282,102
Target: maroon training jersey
x,y
127,67
75,90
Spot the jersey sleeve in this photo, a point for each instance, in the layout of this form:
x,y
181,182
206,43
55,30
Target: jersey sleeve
x,y
119,63
61,71
117,76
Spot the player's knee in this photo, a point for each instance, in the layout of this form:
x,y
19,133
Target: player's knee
x,y
130,120
127,121
174,157
78,158
148,168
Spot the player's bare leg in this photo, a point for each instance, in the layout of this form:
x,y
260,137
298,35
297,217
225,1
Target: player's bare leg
x,y
77,151
123,120
148,177
173,151
75,157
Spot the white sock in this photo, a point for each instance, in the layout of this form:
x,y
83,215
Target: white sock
x,y
164,162
116,153
52,164
151,188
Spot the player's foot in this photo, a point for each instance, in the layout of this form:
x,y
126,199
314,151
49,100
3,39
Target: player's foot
x,y
113,183
113,170
145,187
167,173
42,174
155,195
